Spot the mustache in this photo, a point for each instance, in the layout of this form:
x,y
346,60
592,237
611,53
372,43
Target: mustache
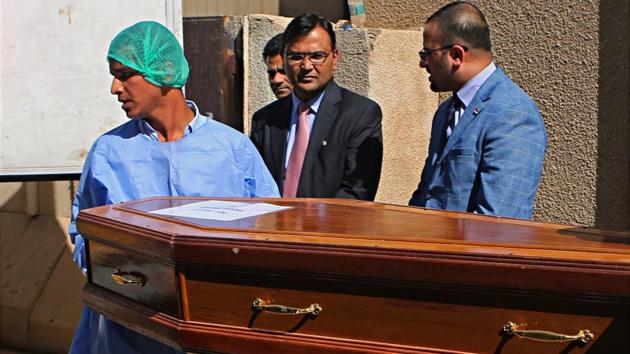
x,y
306,74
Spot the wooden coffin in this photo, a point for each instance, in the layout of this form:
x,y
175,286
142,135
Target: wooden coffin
x,y
354,277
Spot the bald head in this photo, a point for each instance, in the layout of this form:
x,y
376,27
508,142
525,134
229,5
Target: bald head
x,y
462,23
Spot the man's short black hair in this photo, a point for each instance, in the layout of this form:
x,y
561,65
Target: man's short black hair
x,y
273,47
463,23
303,24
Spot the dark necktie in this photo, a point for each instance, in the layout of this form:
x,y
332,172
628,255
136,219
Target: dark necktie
x,y
453,115
453,119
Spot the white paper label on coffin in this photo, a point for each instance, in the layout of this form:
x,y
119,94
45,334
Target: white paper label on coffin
x,y
220,210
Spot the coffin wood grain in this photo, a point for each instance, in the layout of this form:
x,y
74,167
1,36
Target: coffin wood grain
x,y
390,278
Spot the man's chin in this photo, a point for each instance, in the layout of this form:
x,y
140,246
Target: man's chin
x,y
284,92
310,87
131,115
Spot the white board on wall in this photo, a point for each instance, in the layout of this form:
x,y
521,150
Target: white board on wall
x,y
54,89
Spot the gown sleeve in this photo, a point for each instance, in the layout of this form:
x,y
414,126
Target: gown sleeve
x,y
258,181
90,193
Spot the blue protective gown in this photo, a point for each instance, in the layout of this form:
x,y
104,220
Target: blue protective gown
x,y
129,163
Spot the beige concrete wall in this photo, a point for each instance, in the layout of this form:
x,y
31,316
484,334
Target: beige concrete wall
x,y
375,64
408,106
258,29
40,295
572,58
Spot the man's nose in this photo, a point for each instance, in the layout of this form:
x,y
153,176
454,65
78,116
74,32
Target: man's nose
x,y
277,77
306,64
116,87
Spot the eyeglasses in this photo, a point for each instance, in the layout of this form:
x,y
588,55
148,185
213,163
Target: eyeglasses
x,y
427,53
316,58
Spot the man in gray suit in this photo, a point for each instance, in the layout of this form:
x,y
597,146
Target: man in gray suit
x,y
487,140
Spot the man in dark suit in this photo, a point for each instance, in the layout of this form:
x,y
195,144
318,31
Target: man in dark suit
x,y
488,140
276,75
323,140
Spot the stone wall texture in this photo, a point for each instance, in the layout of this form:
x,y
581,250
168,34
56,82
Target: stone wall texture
x,y
572,58
408,104
258,29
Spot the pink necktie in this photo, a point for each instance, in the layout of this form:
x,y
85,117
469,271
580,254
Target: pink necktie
x,y
296,160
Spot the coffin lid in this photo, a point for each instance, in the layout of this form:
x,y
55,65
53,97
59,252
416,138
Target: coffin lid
x,y
356,237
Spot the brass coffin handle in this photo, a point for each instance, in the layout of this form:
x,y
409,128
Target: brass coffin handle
x,y
584,335
260,305
126,278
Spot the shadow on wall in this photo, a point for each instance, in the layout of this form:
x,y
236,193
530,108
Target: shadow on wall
x,y
213,46
613,163
333,10
40,294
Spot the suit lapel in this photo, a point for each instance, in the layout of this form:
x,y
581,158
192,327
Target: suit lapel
x,y
471,113
464,121
279,138
439,129
325,118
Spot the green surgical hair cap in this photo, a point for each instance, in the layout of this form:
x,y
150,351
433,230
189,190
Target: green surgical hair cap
x,y
151,49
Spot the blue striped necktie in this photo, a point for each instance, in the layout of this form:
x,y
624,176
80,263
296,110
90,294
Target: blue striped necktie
x,y
453,115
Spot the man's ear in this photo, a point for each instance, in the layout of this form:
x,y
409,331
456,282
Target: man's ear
x,y
335,58
457,53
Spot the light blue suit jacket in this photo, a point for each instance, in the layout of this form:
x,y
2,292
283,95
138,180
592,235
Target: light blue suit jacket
x,y
492,162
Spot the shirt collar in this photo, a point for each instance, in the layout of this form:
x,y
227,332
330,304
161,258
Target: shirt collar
x,y
470,88
313,103
197,122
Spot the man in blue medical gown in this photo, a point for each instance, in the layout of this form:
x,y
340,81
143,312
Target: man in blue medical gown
x,y
166,149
